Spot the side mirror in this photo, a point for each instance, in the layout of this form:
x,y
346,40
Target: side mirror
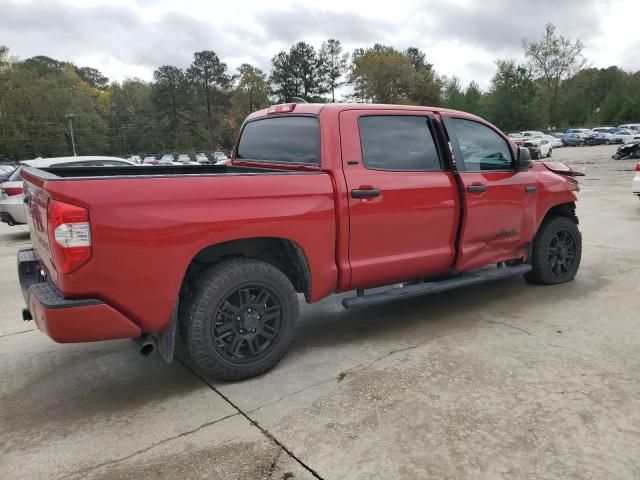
x,y
523,159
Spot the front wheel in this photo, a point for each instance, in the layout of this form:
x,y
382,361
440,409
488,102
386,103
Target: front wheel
x,y
240,319
557,250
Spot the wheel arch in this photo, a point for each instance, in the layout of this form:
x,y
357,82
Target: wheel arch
x,y
282,253
567,209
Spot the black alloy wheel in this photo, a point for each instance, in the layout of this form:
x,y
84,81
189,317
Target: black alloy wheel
x,y
561,253
246,324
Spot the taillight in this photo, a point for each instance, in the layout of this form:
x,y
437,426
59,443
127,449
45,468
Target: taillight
x,y
638,167
11,191
69,236
283,108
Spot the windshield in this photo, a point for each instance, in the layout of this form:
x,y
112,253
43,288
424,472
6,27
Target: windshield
x,y
15,176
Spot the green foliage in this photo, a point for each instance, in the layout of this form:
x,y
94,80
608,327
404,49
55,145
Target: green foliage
x,y
297,73
512,103
552,59
333,64
382,74
250,93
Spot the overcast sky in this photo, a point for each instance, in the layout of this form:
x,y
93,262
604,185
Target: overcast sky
x,y
460,37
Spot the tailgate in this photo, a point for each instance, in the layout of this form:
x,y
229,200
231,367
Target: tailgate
x,y
36,204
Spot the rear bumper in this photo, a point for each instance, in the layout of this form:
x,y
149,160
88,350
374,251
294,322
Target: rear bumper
x,y
64,320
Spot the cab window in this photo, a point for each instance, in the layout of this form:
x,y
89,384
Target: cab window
x,y
482,148
398,143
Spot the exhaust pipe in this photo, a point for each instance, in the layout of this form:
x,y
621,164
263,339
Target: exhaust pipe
x,y
145,345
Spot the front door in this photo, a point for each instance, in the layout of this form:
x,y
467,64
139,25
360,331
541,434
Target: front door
x,y
499,201
403,205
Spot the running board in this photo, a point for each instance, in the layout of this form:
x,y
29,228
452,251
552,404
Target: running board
x,y
474,277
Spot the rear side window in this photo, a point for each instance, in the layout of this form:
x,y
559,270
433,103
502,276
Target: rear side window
x,y
398,143
285,139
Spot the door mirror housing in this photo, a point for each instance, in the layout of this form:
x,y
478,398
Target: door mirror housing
x,y
523,159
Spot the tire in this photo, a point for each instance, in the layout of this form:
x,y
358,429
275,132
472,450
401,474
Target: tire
x,y
581,144
607,142
226,333
549,153
557,250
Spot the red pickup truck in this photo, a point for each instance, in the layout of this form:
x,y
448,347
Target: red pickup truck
x,y
318,199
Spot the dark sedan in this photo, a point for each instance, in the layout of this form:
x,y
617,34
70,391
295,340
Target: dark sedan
x,y
574,140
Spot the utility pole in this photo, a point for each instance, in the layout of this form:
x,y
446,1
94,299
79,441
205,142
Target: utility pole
x,y
73,141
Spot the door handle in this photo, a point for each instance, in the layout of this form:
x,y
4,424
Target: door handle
x,y
365,192
530,189
476,188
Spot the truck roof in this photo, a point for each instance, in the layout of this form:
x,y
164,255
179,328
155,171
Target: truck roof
x,y
317,108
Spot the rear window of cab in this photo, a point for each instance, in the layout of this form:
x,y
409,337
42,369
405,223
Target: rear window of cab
x,y
281,139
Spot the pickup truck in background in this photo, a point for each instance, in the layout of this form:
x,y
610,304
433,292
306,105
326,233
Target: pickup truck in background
x,y
318,199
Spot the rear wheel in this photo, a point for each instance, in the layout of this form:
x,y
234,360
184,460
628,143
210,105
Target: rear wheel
x,y
549,153
241,319
557,250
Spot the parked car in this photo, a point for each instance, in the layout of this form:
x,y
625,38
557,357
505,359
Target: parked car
x,y
604,129
183,158
516,138
628,150
377,208
201,158
586,131
150,160
135,159
601,138
635,127
624,136
12,210
532,133
574,139
538,147
167,157
6,171
635,183
554,141
218,156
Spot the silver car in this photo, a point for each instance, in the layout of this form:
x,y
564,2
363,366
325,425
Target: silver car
x,y
11,192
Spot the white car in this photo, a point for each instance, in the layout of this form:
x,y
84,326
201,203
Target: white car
x,y
532,133
624,136
635,184
135,159
554,141
201,158
185,159
634,127
12,194
538,147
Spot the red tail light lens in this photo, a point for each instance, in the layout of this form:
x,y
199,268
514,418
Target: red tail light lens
x,y
283,108
69,236
11,191
638,167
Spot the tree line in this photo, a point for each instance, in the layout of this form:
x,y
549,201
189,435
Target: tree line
x,y
201,107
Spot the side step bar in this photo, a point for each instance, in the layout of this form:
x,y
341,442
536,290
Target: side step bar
x,y
474,277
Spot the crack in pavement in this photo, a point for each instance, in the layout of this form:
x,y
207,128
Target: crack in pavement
x,y
253,422
326,380
83,472
509,325
17,333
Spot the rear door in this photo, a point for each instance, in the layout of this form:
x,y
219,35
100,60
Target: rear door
x,y
499,201
403,204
